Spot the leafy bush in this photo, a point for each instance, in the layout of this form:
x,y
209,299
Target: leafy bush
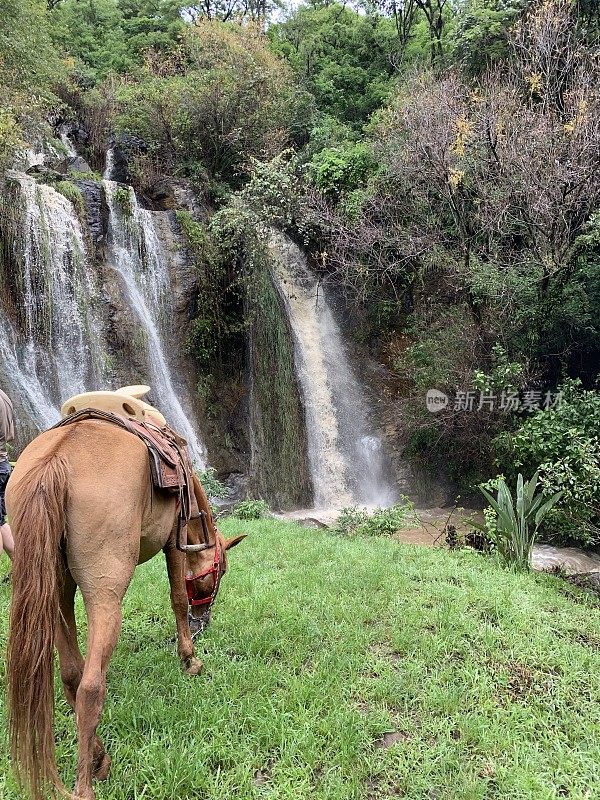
x,y
381,522
250,509
342,169
517,522
222,98
212,485
565,443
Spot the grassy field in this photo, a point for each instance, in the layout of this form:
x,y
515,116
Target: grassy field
x,y
346,669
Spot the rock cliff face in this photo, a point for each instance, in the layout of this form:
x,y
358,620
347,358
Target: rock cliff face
x,y
95,292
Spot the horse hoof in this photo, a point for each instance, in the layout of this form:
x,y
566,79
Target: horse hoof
x,y
195,667
102,771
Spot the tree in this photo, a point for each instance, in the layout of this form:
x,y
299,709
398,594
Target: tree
x,y
343,58
257,11
434,11
108,36
29,68
478,221
482,37
222,98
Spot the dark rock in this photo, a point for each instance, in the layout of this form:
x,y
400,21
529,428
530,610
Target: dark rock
x,y
47,174
237,483
79,164
93,197
125,147
161,195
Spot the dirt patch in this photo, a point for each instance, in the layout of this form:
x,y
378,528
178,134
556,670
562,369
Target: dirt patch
x,y
586,639
589,582
579,594
262,776
378,789
524,682
386,651
363,706
390,738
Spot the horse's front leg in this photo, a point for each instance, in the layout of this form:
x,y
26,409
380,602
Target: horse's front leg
x,y
179,601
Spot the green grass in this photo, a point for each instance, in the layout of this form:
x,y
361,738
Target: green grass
x,y
319,647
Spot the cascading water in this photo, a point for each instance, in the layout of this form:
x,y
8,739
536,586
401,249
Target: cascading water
x,y
109,165
23,387
68,145
57,352
136,253
57,292
346,457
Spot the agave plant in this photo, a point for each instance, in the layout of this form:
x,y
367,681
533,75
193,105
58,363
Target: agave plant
x,y
518,522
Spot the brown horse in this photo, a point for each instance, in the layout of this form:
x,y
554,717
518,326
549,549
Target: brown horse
x,y
84,513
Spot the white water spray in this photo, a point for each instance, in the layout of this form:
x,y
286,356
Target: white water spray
x,y
109,165
137,256
24,386
70,150
62,350
346,457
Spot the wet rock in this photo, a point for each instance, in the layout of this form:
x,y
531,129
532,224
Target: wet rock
x,y
125,148
79,164
237,483
95,209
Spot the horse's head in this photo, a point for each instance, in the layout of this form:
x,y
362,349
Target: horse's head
x,y
204,571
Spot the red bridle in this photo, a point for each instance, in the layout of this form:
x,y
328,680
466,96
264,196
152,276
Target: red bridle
x,y
215,571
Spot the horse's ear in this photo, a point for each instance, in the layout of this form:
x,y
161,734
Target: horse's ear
x,y
229,543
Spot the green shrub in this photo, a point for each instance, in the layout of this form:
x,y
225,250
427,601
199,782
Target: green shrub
x,y
517,521
564,443
336,171
212,485
381,522
73,194
124,199
250,509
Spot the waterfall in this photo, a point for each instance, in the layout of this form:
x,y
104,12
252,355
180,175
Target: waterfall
x,y
137,255
109,165
24,388
346,456
57,350
69,149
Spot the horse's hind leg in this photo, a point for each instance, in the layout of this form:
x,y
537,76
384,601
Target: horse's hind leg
x,y
104,624
72,663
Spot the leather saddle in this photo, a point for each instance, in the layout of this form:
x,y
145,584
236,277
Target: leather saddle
x,y
170,463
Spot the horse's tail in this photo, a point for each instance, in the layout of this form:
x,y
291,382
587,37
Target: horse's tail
x,y
37,507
